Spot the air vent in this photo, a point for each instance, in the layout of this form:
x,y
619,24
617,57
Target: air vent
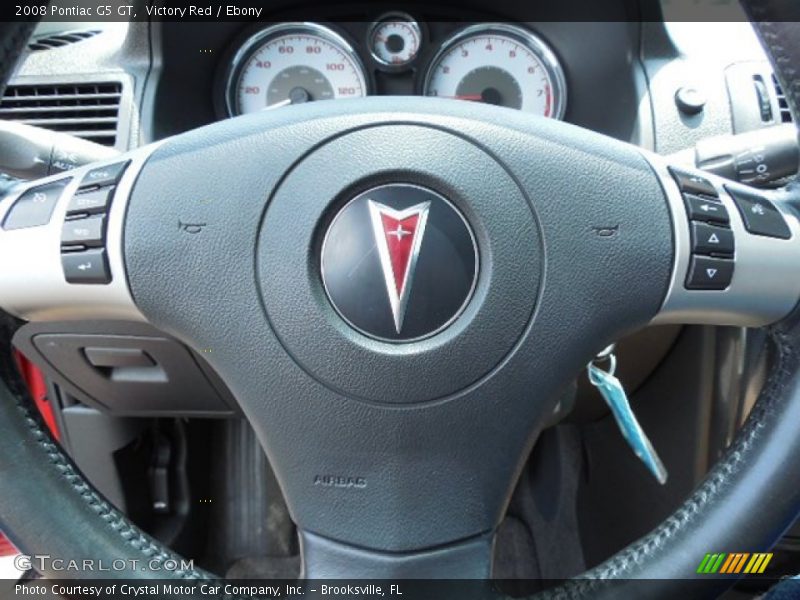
x,y
59,40
86,110
786,114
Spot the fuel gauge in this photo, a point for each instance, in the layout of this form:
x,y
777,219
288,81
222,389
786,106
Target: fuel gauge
x,y
394,40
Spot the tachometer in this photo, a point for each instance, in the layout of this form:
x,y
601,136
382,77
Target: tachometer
x,y
292,63
499,64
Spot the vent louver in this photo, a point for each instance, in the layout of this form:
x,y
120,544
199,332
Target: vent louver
x,y
86,110
786,114
59,40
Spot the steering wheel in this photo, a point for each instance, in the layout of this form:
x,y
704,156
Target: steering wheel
x,y
396,290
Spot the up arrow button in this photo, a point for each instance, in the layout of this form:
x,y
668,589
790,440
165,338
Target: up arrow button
x,y
713,240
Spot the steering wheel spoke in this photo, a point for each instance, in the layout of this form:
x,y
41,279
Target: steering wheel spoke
x,y
61,244
737,251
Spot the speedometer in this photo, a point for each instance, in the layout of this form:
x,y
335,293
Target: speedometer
x,y
292,63
499,64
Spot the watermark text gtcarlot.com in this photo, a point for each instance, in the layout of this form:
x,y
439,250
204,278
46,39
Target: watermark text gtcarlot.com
x,y
45,562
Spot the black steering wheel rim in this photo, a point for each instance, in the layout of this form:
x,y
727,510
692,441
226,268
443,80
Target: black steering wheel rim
x,y
762,456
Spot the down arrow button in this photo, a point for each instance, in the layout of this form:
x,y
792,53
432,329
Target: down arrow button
x,y
706,273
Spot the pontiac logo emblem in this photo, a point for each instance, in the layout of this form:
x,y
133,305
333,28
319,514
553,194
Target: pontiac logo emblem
x,y
399,262
398,236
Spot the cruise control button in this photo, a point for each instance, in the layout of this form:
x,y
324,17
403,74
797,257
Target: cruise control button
x,y
707,273
35,206
709,239
90,202
759,214
702,209
107,175
692,183
84,232
90,266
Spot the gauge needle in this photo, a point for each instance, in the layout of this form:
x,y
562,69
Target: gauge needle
x,y
297,95
473,97
279,104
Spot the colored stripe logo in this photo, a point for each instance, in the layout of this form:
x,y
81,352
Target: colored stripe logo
x,y
734,562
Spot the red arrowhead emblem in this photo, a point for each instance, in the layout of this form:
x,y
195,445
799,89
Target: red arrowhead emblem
x,y
398,236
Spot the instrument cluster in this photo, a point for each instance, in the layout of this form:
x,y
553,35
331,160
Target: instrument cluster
x,y
296,62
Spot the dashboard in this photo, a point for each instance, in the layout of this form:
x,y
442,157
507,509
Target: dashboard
x,y
584,72
292,63
607,70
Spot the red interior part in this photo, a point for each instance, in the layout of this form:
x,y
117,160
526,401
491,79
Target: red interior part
x,y
37,387
6,547
34,379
